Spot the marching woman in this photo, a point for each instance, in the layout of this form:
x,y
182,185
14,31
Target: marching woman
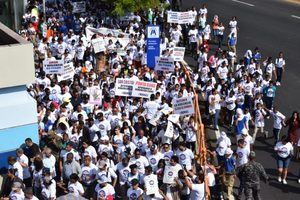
x,y
284,151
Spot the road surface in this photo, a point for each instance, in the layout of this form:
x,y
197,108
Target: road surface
x,y
273,26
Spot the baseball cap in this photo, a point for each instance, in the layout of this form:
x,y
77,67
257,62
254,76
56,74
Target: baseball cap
x,y
102,164
105,105
244,131
105,137
221,148
153,147
16,185
66,99
223,134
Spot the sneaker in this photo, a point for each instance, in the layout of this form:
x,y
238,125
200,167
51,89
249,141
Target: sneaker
x,y
277,83
279,179
284,182
299,180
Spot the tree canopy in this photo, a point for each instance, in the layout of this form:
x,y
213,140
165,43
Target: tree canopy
x,y
121,7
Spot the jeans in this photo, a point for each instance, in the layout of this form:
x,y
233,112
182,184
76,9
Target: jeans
x,y
276,133
216,118
279,74
269,102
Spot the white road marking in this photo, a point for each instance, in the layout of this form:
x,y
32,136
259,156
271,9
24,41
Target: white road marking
x,y
242,2
295,16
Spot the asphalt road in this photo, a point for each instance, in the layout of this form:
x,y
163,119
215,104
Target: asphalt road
x,y
273,26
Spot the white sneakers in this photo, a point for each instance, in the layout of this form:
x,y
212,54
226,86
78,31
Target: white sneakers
x,y
282,180
278,83
299,180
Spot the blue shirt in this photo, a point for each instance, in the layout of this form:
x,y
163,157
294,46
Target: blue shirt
x,y
229,164
240,126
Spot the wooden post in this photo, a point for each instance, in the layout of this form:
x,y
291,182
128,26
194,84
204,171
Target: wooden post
x,y
201,150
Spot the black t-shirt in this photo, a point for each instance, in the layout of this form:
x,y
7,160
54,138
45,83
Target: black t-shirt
x,y
32,151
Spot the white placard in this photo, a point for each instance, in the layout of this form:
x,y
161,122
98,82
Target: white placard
x,y
124,87
90,31
183,106
99,45
53,67
96,97
178,53
164,64
151,184
143,89
170,130
170,173
79,7
181,17
68,72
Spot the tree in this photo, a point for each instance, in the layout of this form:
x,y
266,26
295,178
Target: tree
x,y
121,7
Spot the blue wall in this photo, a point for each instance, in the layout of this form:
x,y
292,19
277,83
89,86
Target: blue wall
x,y
13,138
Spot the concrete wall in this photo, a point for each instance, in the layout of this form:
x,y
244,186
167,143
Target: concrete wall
x,y
18,121
17,65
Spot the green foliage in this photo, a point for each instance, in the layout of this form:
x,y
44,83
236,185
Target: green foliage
x,y
121,7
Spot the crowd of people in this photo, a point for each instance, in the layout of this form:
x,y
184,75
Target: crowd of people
x,y
113,149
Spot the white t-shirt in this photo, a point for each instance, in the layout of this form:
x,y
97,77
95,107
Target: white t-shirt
x,y
284,150
104,192
122,172
197,192
230,102
151,109
185,158
278,119
279,62
248,87
141,163
222,72
193,35
259,117
76,188
17,196
88,173
134,194
153,159
214,102
23,159
50,191
242,156
19,168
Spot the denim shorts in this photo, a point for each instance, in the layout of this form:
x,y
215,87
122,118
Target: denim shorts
x,y
283,162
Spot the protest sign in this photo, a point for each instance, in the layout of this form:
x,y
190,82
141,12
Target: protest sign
x,y
180,17
164,64
124,87
79,7
53,67
172,17
143,89
151,184
178,53
183,106
90,31
68,72
170,130
170,173
96,96
99,45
